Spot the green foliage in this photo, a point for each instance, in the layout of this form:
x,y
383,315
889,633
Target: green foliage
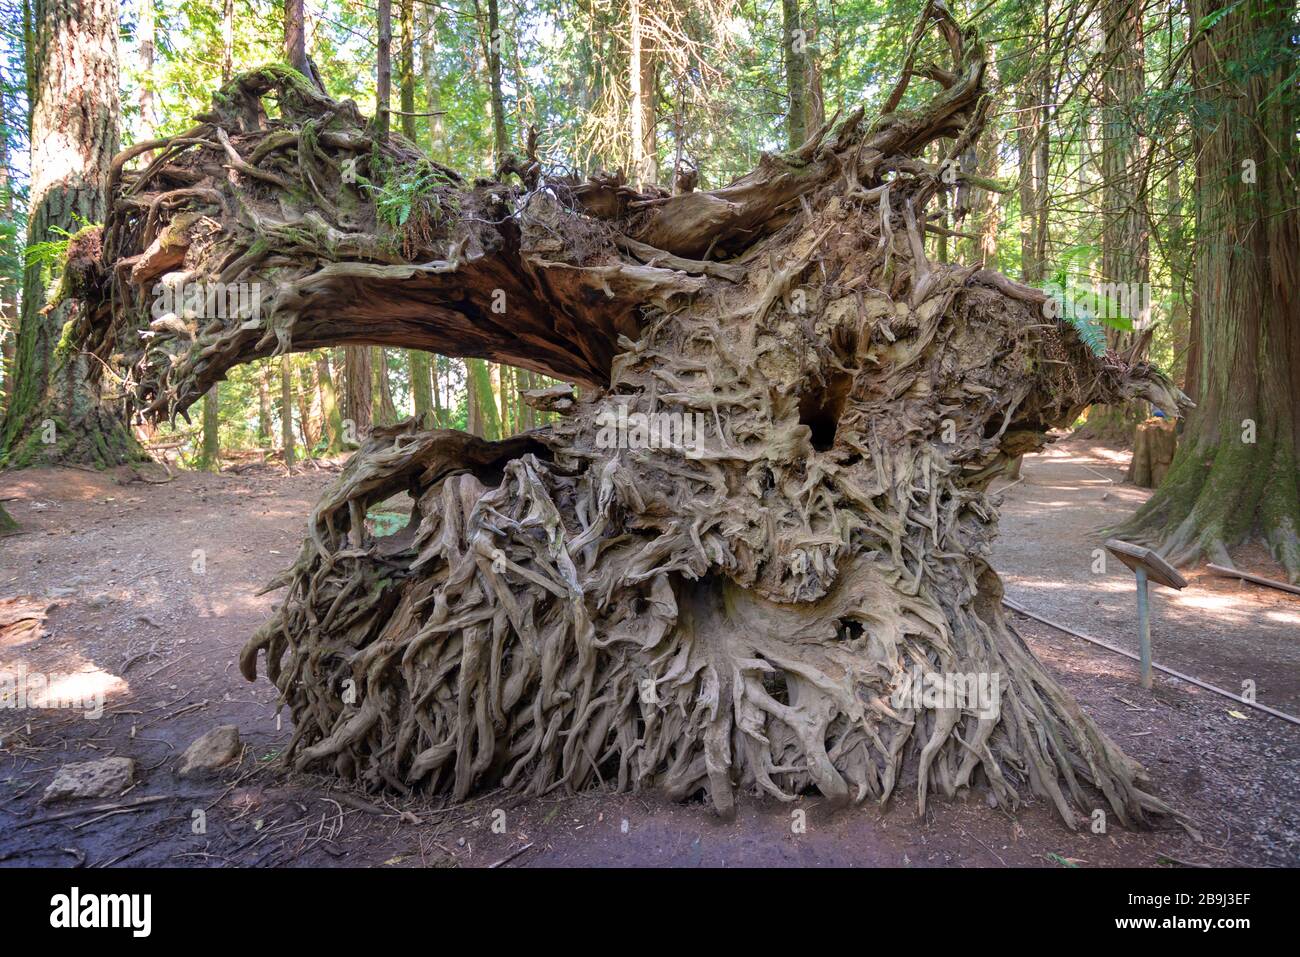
x,y
1089,331
1208,21
49,255
1088,308
405,193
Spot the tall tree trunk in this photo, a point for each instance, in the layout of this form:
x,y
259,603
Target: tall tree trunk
x,y
1033,141
309,406
264,425
473,417
481,413
985,203
1175,245
54,414
1235,474
227,39
210,460
421,384
386,413
987,206
432,93
439,417
286,409
815,103
148,114
384,68
499,377
211,425
1042,148
483,404
794,43
492,41
358,404
295,37
12,250
1125,238
406,67
418,361
642,73
590,78
213,397
1028,130
525,380
331,418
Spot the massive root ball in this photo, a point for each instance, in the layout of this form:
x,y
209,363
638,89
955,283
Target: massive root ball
x,y
749,594
750,555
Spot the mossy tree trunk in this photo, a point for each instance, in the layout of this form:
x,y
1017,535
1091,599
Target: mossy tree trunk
x,y
486,421
421,382
310,407
54,415
210,459
286,411
331,418
264,423
1236,471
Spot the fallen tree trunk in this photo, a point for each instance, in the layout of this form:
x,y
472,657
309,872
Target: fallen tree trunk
x,y
753,556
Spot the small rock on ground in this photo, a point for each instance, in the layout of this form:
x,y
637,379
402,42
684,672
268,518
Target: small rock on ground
x,y
90,779
214,750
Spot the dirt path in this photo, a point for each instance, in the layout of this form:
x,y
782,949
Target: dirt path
x,y
1221,630
152,592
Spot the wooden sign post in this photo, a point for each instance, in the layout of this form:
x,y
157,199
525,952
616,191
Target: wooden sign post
x,y
1146,565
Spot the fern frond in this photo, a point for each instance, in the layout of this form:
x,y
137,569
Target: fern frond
x,y
1090,331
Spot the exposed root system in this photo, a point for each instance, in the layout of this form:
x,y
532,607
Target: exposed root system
x,y
752,555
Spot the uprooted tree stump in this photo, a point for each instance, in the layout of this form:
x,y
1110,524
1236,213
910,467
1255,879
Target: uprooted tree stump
x,y
747,610
1154,443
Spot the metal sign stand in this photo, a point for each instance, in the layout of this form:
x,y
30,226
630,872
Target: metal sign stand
x,y
1146,565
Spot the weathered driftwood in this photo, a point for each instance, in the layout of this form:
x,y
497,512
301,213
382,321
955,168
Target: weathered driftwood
x,y
748,612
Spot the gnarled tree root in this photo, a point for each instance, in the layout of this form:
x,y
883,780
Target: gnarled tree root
x,y
514,635
752,556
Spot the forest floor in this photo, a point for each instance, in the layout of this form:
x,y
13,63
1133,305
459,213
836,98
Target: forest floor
x,y
131,614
